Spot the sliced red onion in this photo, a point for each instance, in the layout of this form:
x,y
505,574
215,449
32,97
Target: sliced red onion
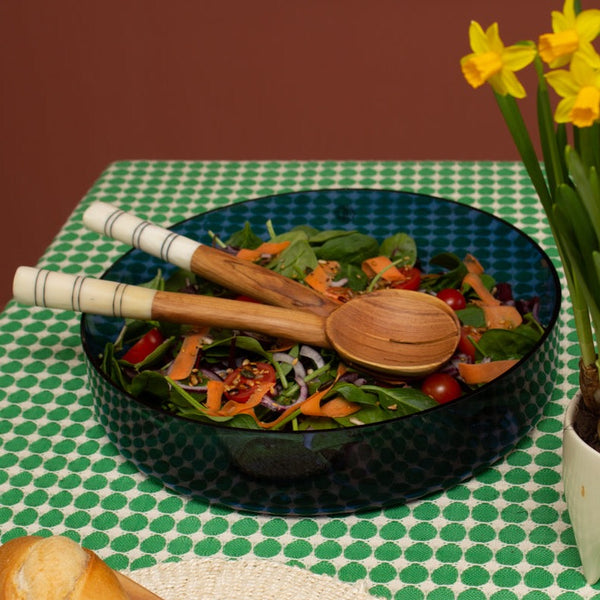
x,y
201,389
284,357
339,283
314,355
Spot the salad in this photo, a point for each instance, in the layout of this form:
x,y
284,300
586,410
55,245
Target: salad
x,y
248,380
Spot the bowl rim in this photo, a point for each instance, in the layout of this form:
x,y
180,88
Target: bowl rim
x,y
552,321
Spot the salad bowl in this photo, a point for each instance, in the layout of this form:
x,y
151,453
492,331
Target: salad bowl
x,y
367,466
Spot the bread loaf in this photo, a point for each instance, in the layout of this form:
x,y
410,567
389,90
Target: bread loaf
x,y
55,568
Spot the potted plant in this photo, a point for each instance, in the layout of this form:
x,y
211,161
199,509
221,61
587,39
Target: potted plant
x,y
566,179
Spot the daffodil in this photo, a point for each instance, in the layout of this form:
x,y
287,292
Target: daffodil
x,y
492,62
571,33
579,88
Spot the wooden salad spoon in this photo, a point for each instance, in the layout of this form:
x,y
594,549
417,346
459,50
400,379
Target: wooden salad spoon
x,y
396,332
236,274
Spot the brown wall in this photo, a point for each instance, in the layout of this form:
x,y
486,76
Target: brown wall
x,y
88,82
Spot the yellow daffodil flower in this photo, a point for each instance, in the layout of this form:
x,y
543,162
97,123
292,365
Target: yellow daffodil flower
x,y
571,33
491,61
579,89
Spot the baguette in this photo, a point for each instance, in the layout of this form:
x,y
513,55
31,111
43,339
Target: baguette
x,y
55,568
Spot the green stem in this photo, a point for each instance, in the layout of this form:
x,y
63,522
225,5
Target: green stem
x,y
518,130
548,137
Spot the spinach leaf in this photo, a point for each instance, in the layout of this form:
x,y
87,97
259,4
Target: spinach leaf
x,y
296,260
400,247
357,279
471,315
150,383
452,278
245,238
320,237
353,248
403,401
502,344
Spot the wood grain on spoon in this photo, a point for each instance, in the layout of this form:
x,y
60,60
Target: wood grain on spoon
x,y
223,268
396,332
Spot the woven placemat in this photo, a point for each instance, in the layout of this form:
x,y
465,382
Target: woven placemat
x,y
243,579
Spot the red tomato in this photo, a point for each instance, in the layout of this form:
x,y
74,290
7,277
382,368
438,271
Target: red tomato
x,y
144,346
246,299
411,281
465,346
240,383
453,298
441,387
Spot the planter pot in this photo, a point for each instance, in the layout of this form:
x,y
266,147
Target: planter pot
x,y
581,480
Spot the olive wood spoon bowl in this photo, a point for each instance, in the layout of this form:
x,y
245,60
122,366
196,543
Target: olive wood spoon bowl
x,y
236,274
396,332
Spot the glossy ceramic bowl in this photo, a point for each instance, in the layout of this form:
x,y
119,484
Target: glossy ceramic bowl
x,y
364,467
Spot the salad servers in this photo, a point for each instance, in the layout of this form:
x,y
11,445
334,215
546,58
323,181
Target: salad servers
x,y
227,270
396,332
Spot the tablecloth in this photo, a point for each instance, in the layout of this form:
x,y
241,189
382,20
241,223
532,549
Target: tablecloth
x,y
505,534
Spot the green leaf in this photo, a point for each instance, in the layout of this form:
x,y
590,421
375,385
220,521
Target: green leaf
x,y
471,315
245,238
403,401
320,237
353,248
296,260
357,279
150,383
456,271
400,247
502,344
581,179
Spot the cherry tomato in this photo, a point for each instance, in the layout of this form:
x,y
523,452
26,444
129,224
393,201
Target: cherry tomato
x,y
465,346
144,346
243,298
453,298
240,383
411,281
441,387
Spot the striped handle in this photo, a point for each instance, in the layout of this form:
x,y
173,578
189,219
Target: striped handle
x,y
40,287
129,229
233,273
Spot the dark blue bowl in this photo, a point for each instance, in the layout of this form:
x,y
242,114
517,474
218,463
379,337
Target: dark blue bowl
x,y
364,467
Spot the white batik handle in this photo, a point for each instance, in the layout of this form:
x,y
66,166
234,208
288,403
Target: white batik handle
x,y
129,229
41,287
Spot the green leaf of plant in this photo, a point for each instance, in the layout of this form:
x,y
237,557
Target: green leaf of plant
x,y
244,238
353,248
296,260
400,247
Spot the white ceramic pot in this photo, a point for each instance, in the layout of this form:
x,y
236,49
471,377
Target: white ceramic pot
x,y
581,480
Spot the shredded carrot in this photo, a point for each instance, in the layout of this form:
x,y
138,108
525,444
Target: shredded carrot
x,y
474,280
473,265
318,279
339,407
231,407
501,317
322,275
477,373
312,405
269,248
382,264
292,409
214,395
186,358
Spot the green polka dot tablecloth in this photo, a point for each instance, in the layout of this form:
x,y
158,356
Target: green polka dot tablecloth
x,y
503,535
